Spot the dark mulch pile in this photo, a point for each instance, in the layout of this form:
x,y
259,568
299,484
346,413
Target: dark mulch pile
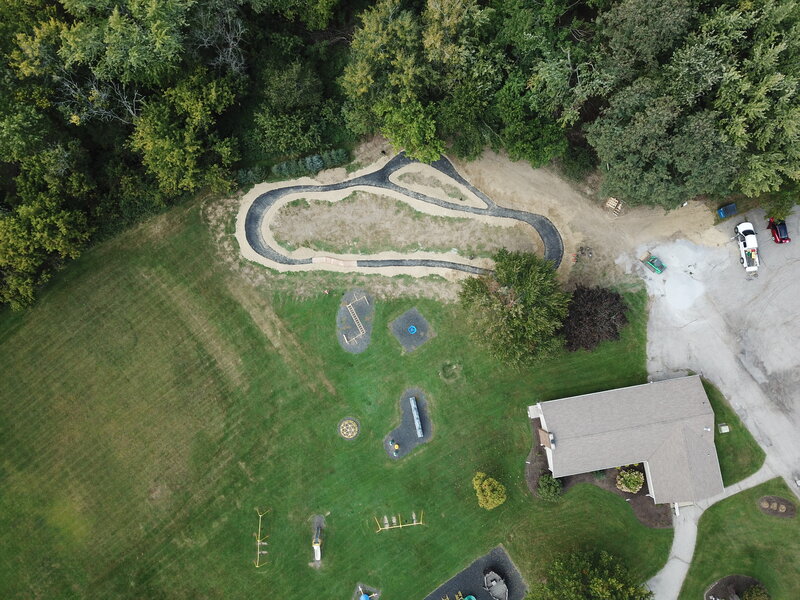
x,y
777,506
657,516
726,587
536,463
470,580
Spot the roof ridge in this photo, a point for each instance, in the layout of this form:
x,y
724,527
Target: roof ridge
x,y
660,422
627,387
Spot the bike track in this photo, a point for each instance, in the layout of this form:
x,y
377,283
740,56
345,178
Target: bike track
x,y
260,208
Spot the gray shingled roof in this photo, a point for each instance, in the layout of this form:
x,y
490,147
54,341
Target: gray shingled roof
x,y
667,424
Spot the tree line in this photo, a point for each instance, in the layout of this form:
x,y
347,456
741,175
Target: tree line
x,y
111,110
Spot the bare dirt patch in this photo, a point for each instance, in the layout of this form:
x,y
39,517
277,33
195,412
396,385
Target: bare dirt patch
x,y
777,507
581,219
426,180
365,223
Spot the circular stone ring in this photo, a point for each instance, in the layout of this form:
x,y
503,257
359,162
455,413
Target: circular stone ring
x,y
349,428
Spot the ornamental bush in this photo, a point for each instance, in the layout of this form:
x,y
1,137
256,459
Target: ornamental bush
x,y
630,481
490,492
549,488
595,315
757,592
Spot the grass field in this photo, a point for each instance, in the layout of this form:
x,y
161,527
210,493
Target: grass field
x,y
739,454
735,537
153,398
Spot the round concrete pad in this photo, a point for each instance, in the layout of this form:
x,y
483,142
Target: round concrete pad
x,y
350,337
411,330
405,434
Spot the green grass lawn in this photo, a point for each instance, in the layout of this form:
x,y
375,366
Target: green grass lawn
x,y
735,537
153,398
739,454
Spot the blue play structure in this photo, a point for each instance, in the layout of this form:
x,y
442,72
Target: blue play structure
x,y
412,329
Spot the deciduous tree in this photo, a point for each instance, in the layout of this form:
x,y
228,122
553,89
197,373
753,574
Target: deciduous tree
x,y
518,310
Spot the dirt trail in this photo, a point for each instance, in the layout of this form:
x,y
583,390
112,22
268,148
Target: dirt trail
x,y
582,220
579,217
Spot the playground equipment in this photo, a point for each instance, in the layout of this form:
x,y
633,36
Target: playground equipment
x,y
356,320
260,541
397,522
362,595
412,329
316,543
494,584
415,412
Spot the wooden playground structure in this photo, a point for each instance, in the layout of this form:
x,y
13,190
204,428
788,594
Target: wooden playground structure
x,y
260,540
353,315
397,522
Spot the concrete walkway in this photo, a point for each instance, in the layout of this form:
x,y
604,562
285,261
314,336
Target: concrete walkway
x,y
666,585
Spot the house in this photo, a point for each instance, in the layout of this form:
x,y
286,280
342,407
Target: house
x,y
666,425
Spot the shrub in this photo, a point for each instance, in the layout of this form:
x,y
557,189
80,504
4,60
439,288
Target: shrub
x,y
630,481
252,175
549,488
756,592
594,315
314,163
334,158
311,165
490,492
578,161
589,575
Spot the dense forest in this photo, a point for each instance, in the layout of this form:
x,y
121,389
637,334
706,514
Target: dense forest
x,y
111,110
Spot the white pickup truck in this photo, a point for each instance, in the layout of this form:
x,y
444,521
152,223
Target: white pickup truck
x,y
748,246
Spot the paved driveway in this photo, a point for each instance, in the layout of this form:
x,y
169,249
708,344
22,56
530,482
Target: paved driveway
x,y
742,334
